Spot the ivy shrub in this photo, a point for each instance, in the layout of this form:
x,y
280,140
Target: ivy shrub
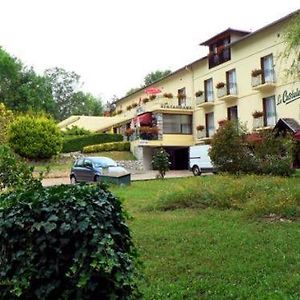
x,y
35,137
116,146
65,242
77,143
14,172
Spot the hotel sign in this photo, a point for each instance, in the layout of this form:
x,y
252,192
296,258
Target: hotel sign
x,y
288,96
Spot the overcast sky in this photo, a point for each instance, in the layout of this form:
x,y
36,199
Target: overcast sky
x,y
113,44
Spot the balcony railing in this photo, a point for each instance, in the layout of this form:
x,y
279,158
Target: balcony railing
x,y
228,92
265,80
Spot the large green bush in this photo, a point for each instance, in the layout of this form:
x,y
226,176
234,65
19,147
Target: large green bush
x,y
116,146
35,137
77,143
65,242
14,172
232,152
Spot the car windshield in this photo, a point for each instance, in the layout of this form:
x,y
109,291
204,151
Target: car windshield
x,y
104,162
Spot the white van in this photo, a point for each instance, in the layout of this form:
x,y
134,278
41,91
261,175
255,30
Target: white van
x,y
199,160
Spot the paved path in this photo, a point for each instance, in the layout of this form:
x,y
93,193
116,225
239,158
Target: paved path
x,y
142,176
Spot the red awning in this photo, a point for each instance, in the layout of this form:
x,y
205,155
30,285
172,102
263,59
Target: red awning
x,y
144,119
152,91
297,135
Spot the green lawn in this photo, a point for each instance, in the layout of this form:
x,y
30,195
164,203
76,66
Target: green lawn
x,y
212,253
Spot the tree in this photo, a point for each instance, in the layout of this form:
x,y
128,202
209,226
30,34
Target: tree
x,y
292,49
64,86
154,76
229,151
160,161
86,104
132,90
21,89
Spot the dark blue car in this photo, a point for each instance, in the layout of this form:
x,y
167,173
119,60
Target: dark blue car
x,y
89,169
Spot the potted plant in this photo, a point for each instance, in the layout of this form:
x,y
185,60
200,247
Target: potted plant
x,y
220,49
256,77
145,100
119,111
129,107
200,127
221,89
220,85
129,131
199,93
256,72
168,95
152,97
257,114
222,122
134,105
258,119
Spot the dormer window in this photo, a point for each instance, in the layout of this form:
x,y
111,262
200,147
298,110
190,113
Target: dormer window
x,y
219,46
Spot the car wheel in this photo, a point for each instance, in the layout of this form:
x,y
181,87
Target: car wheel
x,y
97,178
196,171
73,179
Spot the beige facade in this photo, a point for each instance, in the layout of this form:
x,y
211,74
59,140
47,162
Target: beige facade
x,y
249,71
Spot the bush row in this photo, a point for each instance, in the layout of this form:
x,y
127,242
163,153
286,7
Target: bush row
x,y
116,146
77,143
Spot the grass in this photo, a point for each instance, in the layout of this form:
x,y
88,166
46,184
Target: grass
x,y
60,166
211,253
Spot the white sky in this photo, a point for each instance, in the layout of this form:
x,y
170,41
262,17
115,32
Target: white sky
x,y
113,44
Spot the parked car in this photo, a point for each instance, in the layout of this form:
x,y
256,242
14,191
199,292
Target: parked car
x,y
199,160
89,169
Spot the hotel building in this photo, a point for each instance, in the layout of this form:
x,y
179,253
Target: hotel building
x,y
242,77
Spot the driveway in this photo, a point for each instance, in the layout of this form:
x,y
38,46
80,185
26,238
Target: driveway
x,y
134,177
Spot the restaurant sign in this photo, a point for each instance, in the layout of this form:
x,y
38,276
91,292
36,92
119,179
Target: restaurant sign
x,y
288,96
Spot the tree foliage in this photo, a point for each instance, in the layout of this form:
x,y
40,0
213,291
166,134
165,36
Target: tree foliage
x,y
6,117
292,50
14,172
65,242
232,152
21,89
86,104
64,85
160,162
35,137
154,76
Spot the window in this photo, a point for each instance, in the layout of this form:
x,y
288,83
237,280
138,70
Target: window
x,y
79,163
209,124
177,124
269,111
267,66
232,113
231,82
209,90
219,52
182,96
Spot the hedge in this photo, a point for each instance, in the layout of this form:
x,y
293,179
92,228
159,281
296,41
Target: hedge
x,y
65,242
116,146
71,144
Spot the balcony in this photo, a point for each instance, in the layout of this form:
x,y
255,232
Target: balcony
x,y
206,101
228,92
264,82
